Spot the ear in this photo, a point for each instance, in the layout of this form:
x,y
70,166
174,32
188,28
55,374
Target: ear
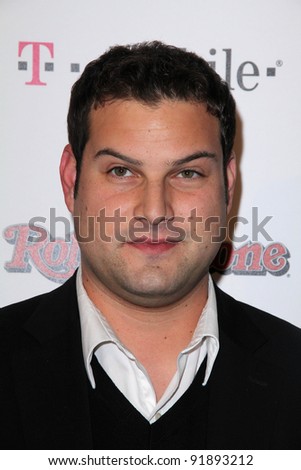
x,y
68,176
231,179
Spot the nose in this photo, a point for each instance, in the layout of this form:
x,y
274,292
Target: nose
x,y
154,203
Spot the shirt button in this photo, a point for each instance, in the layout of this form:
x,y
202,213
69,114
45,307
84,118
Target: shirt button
x,y
157,416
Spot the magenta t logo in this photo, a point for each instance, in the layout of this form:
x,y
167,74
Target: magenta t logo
x,y
36,46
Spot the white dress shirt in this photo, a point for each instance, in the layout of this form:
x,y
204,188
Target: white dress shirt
x,y
128,374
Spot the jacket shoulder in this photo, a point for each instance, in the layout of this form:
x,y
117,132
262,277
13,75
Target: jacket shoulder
x,y
262,318
246,323
17,314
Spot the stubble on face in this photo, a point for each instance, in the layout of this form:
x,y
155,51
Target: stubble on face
x,y
149,276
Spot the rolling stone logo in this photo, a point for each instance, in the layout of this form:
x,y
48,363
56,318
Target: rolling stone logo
x,y
57,260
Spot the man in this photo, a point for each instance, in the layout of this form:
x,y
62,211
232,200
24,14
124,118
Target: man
x,y
139,349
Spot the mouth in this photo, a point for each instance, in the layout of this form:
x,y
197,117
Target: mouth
x,y
153,246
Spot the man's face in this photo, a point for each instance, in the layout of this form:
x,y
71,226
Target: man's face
x,y
151,197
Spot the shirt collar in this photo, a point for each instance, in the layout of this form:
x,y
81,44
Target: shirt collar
x,y
207,331
96,331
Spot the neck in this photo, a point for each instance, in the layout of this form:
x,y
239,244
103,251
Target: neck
x,y
155,336
124,315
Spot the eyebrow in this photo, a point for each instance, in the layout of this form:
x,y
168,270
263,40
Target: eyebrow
x,y
113,153
193,156
134,161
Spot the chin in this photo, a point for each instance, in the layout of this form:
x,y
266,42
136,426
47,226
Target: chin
x,y
153,294
152,300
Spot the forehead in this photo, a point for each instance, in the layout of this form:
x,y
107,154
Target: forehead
x,y
174,122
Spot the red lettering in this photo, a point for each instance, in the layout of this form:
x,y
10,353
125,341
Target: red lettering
x,y
275,259
252,258
247,258
36,46
55,253
55,260
18,235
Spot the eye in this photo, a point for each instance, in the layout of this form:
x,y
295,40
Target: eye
x,y
189,174
120,172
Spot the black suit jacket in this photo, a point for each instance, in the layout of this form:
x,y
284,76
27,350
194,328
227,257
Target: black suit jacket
x,y
254,388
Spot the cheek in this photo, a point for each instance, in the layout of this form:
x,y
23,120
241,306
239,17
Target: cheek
x,y
204,204
94,196
205,215
102,217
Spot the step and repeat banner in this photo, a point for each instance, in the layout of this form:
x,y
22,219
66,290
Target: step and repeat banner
x,y
253,44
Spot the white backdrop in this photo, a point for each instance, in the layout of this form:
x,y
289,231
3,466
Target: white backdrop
x,y
255,45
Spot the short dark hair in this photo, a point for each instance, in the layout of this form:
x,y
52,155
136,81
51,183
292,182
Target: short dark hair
x,y
148,72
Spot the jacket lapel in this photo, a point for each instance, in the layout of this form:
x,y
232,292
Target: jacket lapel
x,y
51,382
242,410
